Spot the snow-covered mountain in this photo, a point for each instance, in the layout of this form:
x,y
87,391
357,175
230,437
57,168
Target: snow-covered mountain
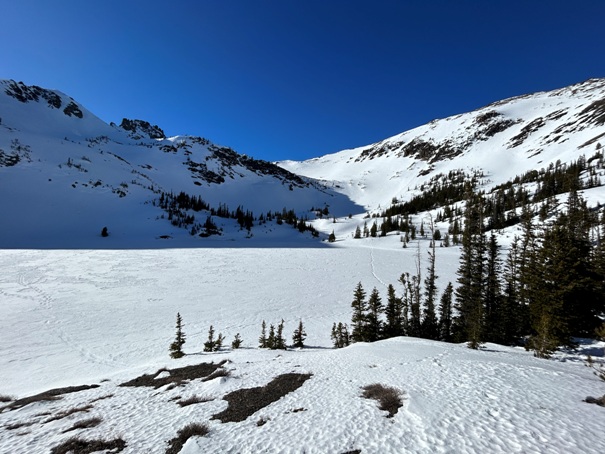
x,y
65,174
499,141
79,327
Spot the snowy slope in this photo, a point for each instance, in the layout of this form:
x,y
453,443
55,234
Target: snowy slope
x,y
65,174
74,318
89,316
503,140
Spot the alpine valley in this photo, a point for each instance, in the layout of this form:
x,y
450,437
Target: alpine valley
x,y
108,231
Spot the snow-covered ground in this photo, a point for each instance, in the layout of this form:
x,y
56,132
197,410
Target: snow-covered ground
x,y
76,308
104,317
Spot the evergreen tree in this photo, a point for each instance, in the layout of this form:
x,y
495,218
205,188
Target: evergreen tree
x,y
357,233
374,230
271,338
494,317
468,325
513,318
176,348
393,313
373,327
218,344
237,342
332,237
340,335
445,314
210,344
299,336
358,319
262,340
429,328
280,342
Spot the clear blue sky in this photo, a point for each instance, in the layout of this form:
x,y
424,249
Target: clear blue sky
x,y
285,79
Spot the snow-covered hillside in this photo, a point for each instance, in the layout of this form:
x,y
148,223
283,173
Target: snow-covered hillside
x,y
502,140
79,309
72,318
65,174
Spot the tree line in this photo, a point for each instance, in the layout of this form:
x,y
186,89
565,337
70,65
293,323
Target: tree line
x,y
548,290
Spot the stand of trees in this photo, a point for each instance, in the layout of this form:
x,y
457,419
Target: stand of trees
x,y
550,288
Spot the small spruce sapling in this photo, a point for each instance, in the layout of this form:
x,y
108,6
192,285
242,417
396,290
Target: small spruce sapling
x,y
218,344
237,342
210,344
176,348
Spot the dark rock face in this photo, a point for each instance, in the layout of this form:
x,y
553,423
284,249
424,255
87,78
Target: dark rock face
x,y
25,93
140,129
73,109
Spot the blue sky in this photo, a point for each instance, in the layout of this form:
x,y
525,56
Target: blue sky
x,y
284,79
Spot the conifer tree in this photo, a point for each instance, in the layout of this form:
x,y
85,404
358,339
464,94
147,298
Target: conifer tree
x,y
445,314
374,230
429,328
280,342
358,319
299,336
357,233
237,342
514,320
494,317
218,344
468,325
332,237
373,327
340,335
176,348
262,340
271,338
393,313
210,344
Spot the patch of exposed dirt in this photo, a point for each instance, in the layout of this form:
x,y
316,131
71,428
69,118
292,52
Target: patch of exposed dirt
x,y
245,402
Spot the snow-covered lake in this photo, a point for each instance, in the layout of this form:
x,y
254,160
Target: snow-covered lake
x,y
73,317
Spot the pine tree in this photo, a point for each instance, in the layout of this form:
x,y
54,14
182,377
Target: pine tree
x,y
445,314
340,335
373,328
280,342
374,230
271,338
332,237
469,324
237,342
262,340
357,233
494,317
210,344
429,328
358,319
218,344
299,336
394,323
176,348
513,318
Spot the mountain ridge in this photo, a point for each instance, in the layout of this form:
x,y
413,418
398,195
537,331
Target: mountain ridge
x,y
67,173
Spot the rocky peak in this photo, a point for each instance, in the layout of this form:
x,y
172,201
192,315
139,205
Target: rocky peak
x,y
139,129
24,93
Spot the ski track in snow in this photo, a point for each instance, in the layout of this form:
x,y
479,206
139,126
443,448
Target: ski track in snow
x,y
373,268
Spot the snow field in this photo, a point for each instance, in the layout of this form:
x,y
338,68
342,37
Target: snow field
x,y
105,317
